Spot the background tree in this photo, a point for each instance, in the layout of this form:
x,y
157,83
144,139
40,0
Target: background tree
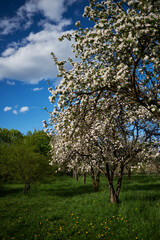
x,y
7,138
24,158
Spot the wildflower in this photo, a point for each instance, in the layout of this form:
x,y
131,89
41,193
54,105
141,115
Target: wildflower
x,y
86,232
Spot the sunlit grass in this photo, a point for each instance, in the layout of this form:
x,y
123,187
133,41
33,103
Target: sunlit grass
x,y
66,209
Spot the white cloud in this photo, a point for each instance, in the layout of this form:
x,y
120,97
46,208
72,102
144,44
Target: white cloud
x,y
12,83
29,60
37,89
6,109
22,20
8,52
32,62
15,112
24,109
51,9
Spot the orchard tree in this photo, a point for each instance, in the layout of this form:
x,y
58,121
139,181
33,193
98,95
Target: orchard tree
x,y
109,143
118,63
120,57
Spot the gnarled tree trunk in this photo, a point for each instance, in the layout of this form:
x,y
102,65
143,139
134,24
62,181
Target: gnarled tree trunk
x,y
26,189
84,178
95,182
114,193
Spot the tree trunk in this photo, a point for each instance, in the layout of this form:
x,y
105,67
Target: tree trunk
x,y
114,195
26,189
84,178
114,198
129,173
95,182
119,182
75,175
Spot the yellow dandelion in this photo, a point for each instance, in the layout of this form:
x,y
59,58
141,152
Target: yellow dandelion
x,y
86,232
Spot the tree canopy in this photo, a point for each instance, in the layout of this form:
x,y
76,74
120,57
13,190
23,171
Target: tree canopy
x,y
110,97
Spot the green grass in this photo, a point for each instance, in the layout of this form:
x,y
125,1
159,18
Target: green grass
x,y
65,209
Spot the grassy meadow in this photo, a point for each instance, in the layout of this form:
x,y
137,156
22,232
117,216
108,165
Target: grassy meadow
x,y
65,209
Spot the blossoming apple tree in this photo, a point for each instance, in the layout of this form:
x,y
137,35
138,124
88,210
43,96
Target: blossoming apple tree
x,y
116,71
108,144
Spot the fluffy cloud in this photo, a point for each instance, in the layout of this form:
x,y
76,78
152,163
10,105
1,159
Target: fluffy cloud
x,y
37,89
50,9
15,112
24,109
32,62
6,109
29,59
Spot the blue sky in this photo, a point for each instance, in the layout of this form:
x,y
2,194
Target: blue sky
x,y
29,32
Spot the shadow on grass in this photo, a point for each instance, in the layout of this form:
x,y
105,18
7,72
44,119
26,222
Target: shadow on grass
x,y
141,187
69,191
7,191
141,197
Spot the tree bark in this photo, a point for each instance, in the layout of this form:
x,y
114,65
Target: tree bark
x,y
129,173
114,198
75,174
84,178
26,189
114,194
95,182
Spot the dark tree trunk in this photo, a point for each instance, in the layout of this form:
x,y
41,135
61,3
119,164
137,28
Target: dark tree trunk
x,y
84,178
26,189
95,182
114,198
114,194
129,173
157,171
76,177
75,174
